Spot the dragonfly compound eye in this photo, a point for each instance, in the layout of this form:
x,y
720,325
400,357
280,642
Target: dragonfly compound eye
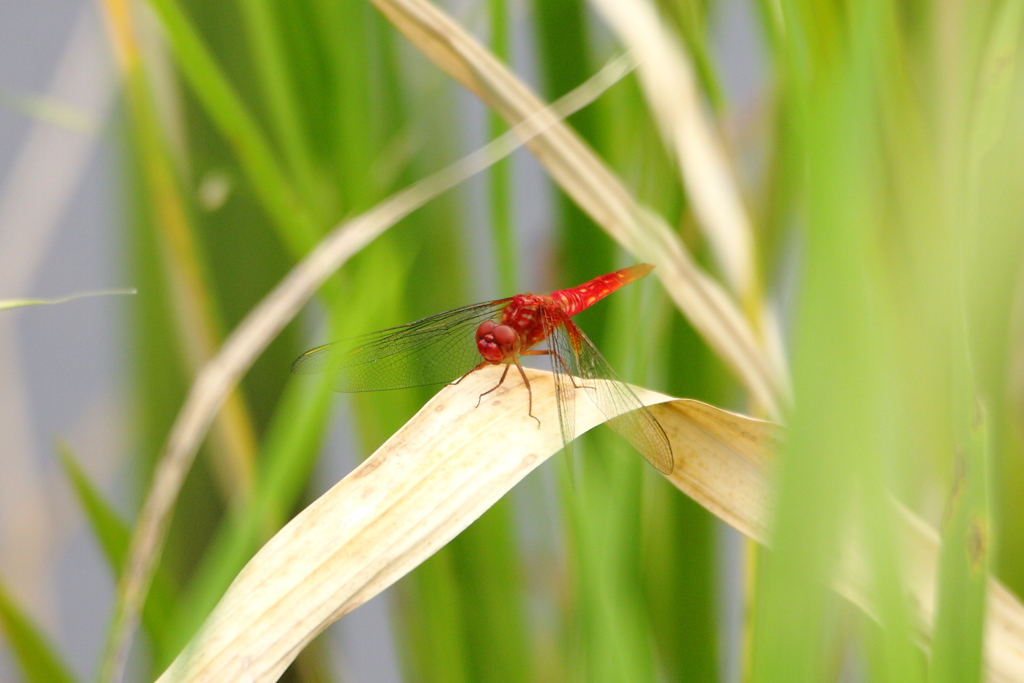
x,y
495,342
486,327
505,336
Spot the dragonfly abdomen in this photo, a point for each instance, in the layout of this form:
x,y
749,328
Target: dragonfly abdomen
x,y
579,298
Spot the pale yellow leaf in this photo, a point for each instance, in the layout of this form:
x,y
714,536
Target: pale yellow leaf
x,y
452,462
448,465
436,475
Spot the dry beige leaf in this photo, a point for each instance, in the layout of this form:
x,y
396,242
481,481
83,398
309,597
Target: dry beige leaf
x,y
722,461
598,191
450,463
436,475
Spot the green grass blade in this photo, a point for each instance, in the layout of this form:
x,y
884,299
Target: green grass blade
x,y
486,560
357,72
435,632
615,638
957,641
357,127
996,79
280,93
834,370
296,226
113,536
501,216
893,652
680,564
680,576
38,659
110,530
500,177
18,303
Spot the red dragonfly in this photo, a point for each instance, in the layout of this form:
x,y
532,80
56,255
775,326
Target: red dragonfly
x,y
443,348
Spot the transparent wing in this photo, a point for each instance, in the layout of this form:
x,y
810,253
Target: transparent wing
x,y
563,370
573,355
437,349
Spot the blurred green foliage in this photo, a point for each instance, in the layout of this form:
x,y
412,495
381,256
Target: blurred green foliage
x,y
323,92
38,658
888,191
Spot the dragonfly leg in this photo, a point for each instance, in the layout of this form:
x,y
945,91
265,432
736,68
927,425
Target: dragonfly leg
x,y
565,367
529,391
482,365
500,382
540,352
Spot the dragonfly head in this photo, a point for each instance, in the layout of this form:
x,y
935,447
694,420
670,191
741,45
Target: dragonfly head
x,y
496,343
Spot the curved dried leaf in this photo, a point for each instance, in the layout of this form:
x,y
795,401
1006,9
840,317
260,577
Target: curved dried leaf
x,y
451,462
722,461
436,475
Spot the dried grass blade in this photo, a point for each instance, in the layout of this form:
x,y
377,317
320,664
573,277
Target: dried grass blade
x,y
222,373
597,190
670,87
416,493
433,478
723,461
429,481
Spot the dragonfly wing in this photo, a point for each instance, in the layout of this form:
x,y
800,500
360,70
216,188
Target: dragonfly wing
x,y
565,386
625,413
437,349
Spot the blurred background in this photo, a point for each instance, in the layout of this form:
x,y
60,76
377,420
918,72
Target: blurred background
x,y
65,376
118,169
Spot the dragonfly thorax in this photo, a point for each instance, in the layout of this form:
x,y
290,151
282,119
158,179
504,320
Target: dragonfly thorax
x,y
519,329
524,315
